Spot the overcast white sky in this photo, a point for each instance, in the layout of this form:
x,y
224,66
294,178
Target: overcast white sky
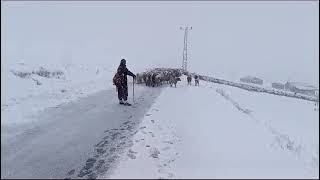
x,y
272,40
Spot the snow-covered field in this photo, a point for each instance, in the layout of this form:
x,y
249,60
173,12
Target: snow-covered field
x,y
26,96
216,131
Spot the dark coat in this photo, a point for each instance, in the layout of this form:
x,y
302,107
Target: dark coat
x,y
123,71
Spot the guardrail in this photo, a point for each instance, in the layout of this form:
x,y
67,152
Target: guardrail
x,y
258,89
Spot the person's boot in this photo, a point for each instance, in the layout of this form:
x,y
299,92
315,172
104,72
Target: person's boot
x,y
126,103
121,102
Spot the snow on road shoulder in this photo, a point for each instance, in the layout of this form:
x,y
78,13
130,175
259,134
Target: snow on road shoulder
x,y
154,150
293,123
195,132
27,95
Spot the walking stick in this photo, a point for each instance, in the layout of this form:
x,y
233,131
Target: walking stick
x,y
133,90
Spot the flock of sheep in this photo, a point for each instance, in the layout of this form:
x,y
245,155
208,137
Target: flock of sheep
x,y
159,76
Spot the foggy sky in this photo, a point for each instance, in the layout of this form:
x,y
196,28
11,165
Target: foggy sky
x,y
277,41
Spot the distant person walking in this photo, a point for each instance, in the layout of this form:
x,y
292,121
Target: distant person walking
x,y
121,82
196,80
189,78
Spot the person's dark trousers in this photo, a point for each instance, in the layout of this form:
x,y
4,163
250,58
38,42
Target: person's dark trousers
x,y
122,93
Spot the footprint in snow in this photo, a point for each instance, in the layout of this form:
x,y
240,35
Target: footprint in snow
x,y
101,143
152,134
131,154
131,151
154,152
99,164
168,142
106,137
100,151
134,132
165,148
127,121
71,172
86,169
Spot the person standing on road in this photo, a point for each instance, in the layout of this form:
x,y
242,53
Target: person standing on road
x,y
196,80
189,79
121,82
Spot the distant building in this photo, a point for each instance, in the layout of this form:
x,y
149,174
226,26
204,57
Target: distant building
x,y
278,86
302,88
251,79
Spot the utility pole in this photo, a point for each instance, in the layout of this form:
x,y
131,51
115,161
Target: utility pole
x,y
185,48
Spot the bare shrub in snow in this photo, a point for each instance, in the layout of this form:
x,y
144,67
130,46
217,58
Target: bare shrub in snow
x,y
21,74
48,74
40,72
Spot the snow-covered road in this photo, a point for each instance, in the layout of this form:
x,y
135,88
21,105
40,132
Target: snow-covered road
x,y
61,139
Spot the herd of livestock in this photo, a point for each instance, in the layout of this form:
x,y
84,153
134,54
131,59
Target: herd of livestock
x,y
159,76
